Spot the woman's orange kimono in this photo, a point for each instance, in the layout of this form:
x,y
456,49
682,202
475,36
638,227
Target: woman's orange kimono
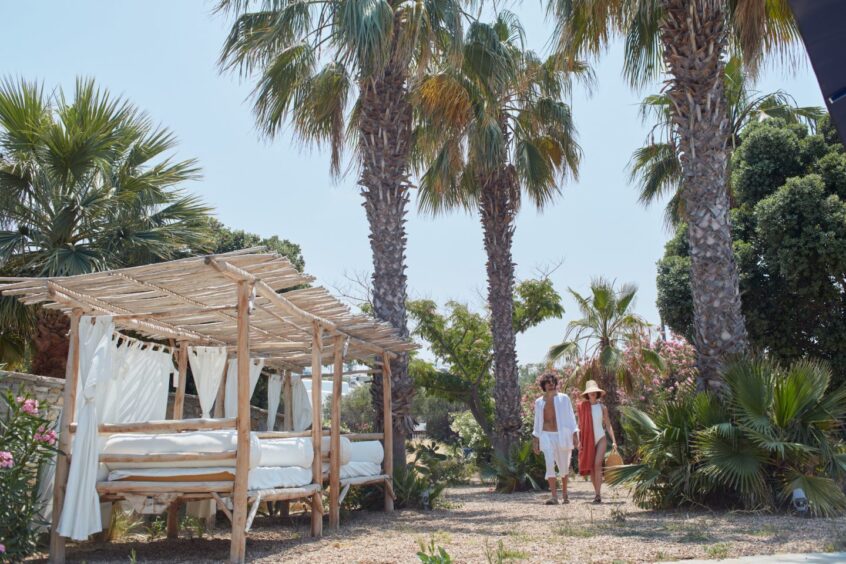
x,y
587,446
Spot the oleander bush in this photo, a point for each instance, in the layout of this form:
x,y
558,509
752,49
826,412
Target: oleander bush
x,y
27,443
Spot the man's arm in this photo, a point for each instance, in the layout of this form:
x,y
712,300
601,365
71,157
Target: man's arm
x,y
537,429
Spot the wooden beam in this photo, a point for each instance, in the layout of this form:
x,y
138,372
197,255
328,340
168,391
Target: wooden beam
x,y
388,429
182,367
316,426
364,436
125,486
165,426
220,399
60,483
285,434
173,519
169,457
335,438
238,546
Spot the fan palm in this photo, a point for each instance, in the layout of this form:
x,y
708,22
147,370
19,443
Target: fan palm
x,y
689,39
492,128
777,431
656,168
607,324
86,185
339,71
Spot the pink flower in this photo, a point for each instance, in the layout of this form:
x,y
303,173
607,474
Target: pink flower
x,y
30,407
656,381
642,398
2,548
6,460
43,436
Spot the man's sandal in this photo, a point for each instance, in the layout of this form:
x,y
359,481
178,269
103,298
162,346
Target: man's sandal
x,y
552,501
597,500
565,499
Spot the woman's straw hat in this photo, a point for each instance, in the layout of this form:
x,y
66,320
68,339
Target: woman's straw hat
x,y
592,387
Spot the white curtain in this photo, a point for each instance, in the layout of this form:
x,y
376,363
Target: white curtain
x,y
139,384
230,399
274,389
81,510
207,364
300,404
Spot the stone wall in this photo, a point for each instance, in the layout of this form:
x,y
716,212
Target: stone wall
x,y
50,394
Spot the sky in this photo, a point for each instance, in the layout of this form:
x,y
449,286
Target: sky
x,y
162,56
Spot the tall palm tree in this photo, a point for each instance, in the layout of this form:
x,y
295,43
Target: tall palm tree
x,y
339,71
656,168
86,185
493,128
689,40
606,326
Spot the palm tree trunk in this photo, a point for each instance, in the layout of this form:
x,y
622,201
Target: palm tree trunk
x,y
50,343
384,136
694,38
497,210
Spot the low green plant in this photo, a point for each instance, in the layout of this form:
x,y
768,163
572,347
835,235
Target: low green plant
x,y
156,528
193,526
433,554
719,550
133,558
567,528
501,553
775,430
123,524
27,443
521,471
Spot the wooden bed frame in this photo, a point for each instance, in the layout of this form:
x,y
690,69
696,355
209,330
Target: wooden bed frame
x,y
193,306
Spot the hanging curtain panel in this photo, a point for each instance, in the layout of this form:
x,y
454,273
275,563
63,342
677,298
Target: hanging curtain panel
x,y
300,404
274,390
207,364
230,401
81,510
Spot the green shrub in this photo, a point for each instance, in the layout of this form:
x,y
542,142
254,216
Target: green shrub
x,y
432,554
27,443
471,436
521,471
775,430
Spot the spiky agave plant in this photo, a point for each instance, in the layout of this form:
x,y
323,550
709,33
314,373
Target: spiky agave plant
x,y
775,430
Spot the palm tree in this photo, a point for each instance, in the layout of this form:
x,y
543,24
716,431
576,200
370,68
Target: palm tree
x,y
691,39
340,71
656,168
86,185
492,128
607,324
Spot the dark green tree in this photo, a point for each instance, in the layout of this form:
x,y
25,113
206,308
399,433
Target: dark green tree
x,y
789,222
225,240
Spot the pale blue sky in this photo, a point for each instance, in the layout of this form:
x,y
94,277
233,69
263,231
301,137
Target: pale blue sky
x,y
162,56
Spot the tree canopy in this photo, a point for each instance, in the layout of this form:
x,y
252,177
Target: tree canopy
x,y
789,223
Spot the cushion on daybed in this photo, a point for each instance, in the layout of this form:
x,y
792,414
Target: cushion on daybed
x,y
367,451
260,478
167,443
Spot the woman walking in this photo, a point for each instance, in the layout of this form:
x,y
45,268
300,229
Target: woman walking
x,y
594,423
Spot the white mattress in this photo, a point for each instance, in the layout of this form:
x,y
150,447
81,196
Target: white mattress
x,y
286,452
260,478
366,451
357,469
168,443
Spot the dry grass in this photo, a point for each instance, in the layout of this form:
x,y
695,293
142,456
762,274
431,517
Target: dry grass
x,y
529,531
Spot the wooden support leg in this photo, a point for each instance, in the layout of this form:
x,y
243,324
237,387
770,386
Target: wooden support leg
x,y
173,520
388,428
285,511
335,437
317,515
238,547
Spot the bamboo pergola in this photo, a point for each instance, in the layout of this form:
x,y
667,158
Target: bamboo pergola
x,y
257,305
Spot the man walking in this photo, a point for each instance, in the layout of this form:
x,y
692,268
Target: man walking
x,y
555,432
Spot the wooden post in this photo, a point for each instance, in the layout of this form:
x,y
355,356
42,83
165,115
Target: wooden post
x,y
238,547
335,437
316,427
388,428
60,481
173,519
287,393
182,366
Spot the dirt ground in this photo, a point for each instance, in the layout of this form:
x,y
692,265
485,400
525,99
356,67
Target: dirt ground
x,y
482,526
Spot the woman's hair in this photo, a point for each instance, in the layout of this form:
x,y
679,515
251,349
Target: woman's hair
x,y
546,378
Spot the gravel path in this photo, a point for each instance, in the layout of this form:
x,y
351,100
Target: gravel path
x,y
478,520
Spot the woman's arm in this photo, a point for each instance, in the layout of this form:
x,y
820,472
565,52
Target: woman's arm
x,y
608,426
